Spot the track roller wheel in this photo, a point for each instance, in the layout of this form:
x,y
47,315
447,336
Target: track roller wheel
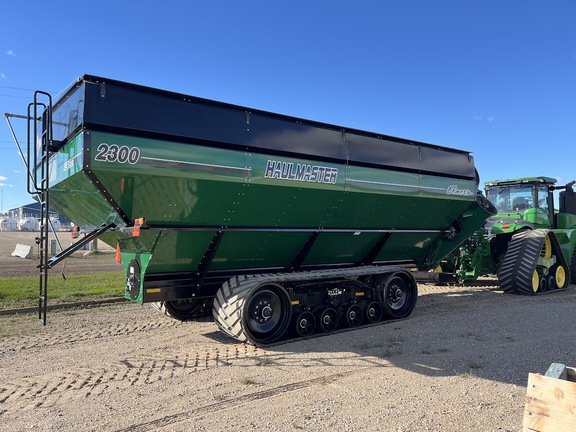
x,y
305,323
398,294
266,314
329,320
543,284
373,312
354,315
550,282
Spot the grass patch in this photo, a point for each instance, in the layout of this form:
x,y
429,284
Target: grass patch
x,y
16,292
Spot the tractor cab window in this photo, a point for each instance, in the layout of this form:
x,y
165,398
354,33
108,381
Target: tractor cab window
x,y
521,198
500,197
542,193
509,199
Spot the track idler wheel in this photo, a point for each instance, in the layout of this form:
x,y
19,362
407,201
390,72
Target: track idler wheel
x,y
305,323
329,320
535,281
397,294
559,273
266,314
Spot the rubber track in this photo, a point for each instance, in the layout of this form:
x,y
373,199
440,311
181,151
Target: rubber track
x,y
515,275
230,298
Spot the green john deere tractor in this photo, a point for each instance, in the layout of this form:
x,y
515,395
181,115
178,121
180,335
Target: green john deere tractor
x,y
528,244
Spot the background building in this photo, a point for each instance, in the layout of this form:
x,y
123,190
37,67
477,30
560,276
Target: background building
x,y
32,210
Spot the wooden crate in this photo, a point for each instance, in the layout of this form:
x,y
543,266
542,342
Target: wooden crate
x,y
551,400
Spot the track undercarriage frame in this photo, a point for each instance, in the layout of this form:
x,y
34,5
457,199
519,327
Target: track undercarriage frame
x,y
267,308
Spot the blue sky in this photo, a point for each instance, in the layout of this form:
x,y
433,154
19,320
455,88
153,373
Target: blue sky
x,y
497,78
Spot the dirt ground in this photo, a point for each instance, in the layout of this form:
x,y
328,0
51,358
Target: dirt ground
x,y
460,362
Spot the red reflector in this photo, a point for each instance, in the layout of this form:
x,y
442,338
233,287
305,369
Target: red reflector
x,y
118,255
74,235
136,231
505,226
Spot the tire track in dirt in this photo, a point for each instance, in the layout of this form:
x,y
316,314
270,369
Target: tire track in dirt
x,y
46,390
72,336
169,420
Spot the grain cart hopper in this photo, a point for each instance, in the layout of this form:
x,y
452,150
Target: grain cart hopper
x,y
282,226
528,244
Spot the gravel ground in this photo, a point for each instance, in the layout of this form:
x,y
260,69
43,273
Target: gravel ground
x,y
460,362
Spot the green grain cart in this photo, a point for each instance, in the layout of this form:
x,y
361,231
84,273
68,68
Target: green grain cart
x,y
529,244
280,226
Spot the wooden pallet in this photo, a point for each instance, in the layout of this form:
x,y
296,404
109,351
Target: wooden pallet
x,y
551,400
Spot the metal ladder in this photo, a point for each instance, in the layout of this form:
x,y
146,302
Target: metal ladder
x,y
40,144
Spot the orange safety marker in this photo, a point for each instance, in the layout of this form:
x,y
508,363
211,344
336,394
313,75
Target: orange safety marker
x,y
118,254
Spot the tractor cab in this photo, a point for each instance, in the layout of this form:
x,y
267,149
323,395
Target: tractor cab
x,y
521,203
